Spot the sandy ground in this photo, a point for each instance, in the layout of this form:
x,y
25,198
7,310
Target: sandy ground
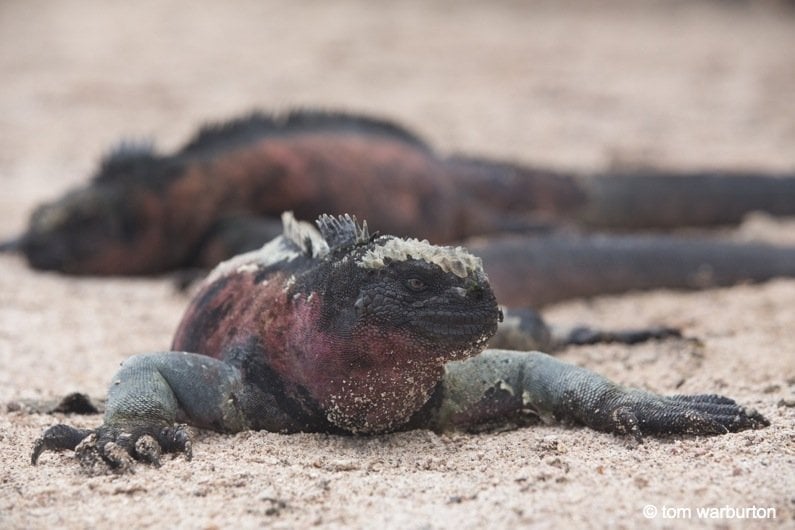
x,y
571,84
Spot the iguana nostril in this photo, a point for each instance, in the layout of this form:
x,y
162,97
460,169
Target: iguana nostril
x,y
474,290
460,291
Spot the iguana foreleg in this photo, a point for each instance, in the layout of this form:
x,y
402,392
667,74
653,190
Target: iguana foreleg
x,y
504,385
147,398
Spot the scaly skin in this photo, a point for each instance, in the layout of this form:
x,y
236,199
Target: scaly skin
x,y
537,271
220,195
346,332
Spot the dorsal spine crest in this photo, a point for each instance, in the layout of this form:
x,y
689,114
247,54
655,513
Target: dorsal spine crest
x,y
342,231
124,156
258,125
304,236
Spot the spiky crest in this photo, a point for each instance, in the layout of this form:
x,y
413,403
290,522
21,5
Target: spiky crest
x,y
304,236
126,157
258,125
342,231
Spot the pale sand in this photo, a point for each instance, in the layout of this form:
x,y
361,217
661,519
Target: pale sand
x,y
570,84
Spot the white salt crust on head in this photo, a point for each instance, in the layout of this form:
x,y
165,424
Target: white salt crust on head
x,y
304,235
297,238
455,260
302,238
279,250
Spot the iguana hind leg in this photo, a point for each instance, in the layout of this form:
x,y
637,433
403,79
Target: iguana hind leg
x,y
525,329
584,335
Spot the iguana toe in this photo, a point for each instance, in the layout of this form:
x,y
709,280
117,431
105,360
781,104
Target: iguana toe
x,y
725,411
176,439
148,450
97,455
626,422
58,438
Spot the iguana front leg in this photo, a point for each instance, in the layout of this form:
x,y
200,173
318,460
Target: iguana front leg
x,y
147,398
503,384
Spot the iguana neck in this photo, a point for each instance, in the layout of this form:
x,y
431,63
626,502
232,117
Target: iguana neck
x,y
366,379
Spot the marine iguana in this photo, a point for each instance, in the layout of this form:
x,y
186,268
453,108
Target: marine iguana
x,y
344,331
221,194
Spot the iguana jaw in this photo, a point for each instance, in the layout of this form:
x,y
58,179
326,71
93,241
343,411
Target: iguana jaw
x,y
374,377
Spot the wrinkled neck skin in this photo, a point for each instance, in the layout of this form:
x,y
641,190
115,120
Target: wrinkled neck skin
x,y
367,379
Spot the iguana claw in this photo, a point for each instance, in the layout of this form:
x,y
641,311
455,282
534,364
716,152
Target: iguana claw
x,y
697,414
57,438
112,448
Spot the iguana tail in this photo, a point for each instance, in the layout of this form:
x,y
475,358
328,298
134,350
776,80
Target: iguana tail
x,y
660,200
11,245
538,270
512,197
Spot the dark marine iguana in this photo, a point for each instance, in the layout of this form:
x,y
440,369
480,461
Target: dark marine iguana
x,y
221,194
343,331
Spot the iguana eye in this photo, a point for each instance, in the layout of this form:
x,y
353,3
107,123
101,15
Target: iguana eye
x,y
416,285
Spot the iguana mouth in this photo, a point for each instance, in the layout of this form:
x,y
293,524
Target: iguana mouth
x,y
454,324
464,326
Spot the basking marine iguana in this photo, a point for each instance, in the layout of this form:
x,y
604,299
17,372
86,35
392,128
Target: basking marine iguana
x,y
221,194
343,331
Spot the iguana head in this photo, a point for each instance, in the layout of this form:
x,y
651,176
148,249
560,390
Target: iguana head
x,y
75,233
440,296
379,317
117,224
436,298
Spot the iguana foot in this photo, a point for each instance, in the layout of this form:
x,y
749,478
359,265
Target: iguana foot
x,y
113,448
640,414
524,329
584,335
